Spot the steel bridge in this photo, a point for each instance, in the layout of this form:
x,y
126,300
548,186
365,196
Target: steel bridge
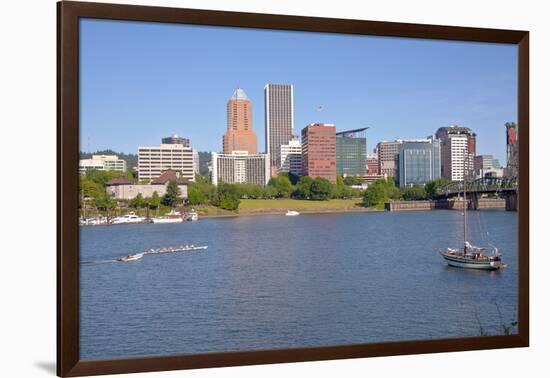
x,y
505,187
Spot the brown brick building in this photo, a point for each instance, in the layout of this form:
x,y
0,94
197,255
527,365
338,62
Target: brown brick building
x,y
319,151
239,135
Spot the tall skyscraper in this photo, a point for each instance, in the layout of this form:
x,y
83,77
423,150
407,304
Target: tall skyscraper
x,y
239,135
279,120
419,161
458,149
319,151
351,152
388,158
511,149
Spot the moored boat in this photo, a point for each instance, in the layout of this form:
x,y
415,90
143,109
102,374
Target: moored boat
x,y
291,213
131,217
470,256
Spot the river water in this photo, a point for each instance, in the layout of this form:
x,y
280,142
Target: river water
x,y
272,281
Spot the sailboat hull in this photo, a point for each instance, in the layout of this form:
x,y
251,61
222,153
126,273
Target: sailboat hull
x,y
469,264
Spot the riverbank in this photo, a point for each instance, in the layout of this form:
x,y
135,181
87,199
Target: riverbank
x,y
281,206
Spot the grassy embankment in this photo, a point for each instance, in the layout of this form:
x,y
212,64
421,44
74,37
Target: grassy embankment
x,y
280,206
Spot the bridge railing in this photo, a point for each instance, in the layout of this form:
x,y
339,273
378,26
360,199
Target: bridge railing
x,y
479,185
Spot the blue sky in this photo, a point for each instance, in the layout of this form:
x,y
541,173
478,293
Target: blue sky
x,y
143,81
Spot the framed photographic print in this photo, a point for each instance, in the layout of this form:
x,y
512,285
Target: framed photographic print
x,y
238,188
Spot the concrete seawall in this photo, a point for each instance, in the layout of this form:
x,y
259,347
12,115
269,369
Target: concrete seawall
x,y
447,204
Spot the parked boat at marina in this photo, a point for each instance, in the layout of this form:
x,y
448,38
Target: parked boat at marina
x,y
131,217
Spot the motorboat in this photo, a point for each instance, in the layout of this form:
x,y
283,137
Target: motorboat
x,y
131,217
291,213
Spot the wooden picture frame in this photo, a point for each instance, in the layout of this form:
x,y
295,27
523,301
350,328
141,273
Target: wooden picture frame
x,y
69,13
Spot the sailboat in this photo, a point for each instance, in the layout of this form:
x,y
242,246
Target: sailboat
x,y
471,256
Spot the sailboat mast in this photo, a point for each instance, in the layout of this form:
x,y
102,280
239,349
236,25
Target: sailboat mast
x,y
464,200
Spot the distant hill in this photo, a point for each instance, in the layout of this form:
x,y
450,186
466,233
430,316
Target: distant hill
x,y
131,159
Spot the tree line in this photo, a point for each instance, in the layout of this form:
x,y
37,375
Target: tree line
x,y
381,191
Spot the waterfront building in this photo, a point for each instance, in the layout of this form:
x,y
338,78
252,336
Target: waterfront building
x,y
152,161
351,152
487,165
240,167
279,120
175,139
419,161
319,151
373,167
196,162
239,135
125,189
388,156
458,148
102,163
291,157
511,149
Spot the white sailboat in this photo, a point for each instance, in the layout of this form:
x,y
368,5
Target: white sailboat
x,y
471,256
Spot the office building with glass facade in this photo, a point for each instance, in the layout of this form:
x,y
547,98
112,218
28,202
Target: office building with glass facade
x,y
351,152
419,161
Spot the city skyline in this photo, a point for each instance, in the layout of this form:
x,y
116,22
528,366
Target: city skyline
x,y
399,88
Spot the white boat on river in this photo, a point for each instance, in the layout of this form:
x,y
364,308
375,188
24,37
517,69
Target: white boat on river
x,y
156,251
291,213
131,217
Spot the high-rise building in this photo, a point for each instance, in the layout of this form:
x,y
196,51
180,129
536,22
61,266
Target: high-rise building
x,y
351,152
102,163
239,167
319,151
153,161
239,135
511,149
388,158
175,139
487,165
291,157
373,167
458,148
419,161
279,120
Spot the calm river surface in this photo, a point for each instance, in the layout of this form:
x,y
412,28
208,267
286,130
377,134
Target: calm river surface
x,y
272,281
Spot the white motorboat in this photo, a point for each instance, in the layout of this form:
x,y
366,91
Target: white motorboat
x,y
192,215
291,213
167,220
131,257
131,217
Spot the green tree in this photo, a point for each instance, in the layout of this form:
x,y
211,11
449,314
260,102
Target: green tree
x,y
282,185
90,189
376,194
137,202
228,197
414,193
433,186
338,190
391,189
172,195
154,203
104,202
352,180
321,189
303,188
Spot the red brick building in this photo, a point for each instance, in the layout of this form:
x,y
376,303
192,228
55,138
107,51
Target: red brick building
x,y
319,151
239,135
